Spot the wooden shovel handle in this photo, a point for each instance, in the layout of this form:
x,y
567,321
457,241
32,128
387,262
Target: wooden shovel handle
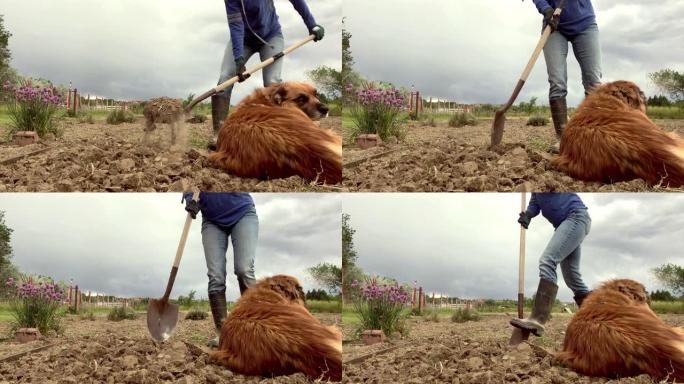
x,y
521,260
540,45
179,250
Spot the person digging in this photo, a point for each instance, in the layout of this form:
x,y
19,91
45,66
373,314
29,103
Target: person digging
x,y
254,27
570,219
577,26
226,216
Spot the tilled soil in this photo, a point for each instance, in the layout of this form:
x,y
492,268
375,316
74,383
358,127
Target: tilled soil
x,y
474,352
101,157
102,351
441,158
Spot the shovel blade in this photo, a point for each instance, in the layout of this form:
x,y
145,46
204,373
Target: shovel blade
x,y
162,318
498,127
519,336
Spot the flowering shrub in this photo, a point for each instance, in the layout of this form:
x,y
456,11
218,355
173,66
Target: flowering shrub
x,y
35,305
33,107
377,111
380,306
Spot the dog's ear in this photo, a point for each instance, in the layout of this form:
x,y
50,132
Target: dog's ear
x,y
278,94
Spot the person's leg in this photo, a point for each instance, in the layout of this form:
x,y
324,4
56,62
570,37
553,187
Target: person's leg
x,y
567,237
273,73
587,49
570,266
556,55
244,235
215,242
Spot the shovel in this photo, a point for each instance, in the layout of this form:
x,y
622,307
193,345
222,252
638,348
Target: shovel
x,y
500,116
162,316
520,335
247,73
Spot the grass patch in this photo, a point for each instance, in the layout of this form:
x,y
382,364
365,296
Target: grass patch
x,y
197,118
196,314
668,307
462,119
119,116
319,306
121,313
463,315
665,112
537,121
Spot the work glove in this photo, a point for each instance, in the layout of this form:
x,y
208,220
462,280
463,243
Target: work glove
x,y
524,220
192,207
240,68
318,32
550,19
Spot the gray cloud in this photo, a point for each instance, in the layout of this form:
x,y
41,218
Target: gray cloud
x,y
473,51
131,50
466,245
124,244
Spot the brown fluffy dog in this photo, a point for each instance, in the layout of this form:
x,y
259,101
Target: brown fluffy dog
x,y
269,332
616,334
610,139
272,134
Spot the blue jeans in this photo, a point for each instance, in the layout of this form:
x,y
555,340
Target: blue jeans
x,y
244,235
587,51
565,249
271,74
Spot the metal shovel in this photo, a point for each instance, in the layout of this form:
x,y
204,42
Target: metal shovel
x,y
500,116
162,316
520,335
247,73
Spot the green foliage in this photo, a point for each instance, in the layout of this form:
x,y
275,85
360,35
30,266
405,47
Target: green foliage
x,y
34,303
672,112
119,116
662,296
187,301
432,316
7,270
188,100
86,118
537,121
88,315
197,118
33,107
672,276
463,315
328,275
670,82
323,306
668,307
196,314
328,81
348,76
318,294
462,119
527,108
658,101
429,119
335,109
350,271
121,313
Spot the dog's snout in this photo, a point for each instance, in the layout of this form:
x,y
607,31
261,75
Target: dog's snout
x,y
323,108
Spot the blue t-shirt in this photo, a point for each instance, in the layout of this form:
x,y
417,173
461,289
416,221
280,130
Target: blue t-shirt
x,y
223,208
577,15
555,207
261,16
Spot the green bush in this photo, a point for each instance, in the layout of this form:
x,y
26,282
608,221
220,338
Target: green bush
x,y
335,110
432,316
462,119
380,307
119,116
196,314
121,313
197,118
33,108
86,119
324,306
537,121
378,111
463,315
35,304
89,315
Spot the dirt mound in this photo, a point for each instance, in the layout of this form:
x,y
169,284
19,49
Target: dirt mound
x,y
458,159
105,158
120,359
163,110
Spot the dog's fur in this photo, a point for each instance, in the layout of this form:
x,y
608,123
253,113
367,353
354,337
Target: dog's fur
x,y
616,334
163,110
611,139
269,332
273,134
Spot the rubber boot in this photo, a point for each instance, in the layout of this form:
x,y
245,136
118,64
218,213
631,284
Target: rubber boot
x,y
559,114
217,302
541,312
219,111
579,299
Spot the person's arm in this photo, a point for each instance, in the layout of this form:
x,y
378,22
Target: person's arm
x,y
542,6
236,27
533,208
303,10
191,206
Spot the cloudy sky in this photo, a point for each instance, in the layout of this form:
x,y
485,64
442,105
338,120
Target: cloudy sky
x,y
474,51
466,245
129,49
124,244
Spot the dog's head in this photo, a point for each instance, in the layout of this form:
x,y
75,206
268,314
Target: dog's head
x,y
286,286
628,92
302,96
632,289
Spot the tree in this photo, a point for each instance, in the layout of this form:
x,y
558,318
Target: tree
x,y
348,75
328,275
670,82
318,294
658,101
350,271
6,72
672,276
662,296
7,270
328,80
